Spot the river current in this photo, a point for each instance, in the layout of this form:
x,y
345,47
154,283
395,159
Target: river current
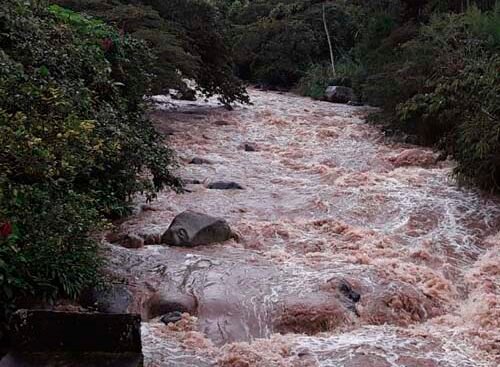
x,y
353,250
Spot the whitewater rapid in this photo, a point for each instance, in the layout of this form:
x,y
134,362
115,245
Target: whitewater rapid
x,y
328,204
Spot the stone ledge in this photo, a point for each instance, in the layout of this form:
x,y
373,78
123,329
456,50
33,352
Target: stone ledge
x,y
52,331
18,359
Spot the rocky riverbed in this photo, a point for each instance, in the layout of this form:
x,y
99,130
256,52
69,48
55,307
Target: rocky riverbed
x,y
349,249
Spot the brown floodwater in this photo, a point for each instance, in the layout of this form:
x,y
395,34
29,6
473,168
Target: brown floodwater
x,y
352,250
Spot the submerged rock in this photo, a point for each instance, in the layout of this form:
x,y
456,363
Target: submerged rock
x,y
128,240
346,289
221,123
192,229
339,94
249,147
171,317
415,157
224,185
198,160
169,299
132,240
311,314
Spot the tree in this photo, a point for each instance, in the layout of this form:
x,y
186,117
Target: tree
x,y
329,41
187,37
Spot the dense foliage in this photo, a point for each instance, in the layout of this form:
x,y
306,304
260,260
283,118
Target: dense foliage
x,y
432,65
75,145
275,41
187,36
435,73
457,108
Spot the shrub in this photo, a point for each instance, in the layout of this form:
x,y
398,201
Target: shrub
x,y
275,42
187,36
76,145
319,77
449,92
315,81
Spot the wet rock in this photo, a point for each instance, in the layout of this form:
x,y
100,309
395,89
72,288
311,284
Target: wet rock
x,y
311,314
365,360
132,241
185,95
221,123
171,317
407,361
346,289
129,240
168,301
198,160
151,238
113,299
224,185
192,229
399,304
354,103
339,94
415,157
249,147
147,208
49,331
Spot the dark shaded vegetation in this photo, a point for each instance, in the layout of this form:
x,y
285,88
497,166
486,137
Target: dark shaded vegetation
x,y
275,42
188,38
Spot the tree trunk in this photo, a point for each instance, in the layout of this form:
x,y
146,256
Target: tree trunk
x,y
329,41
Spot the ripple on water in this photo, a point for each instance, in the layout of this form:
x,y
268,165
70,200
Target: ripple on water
x,y
327,201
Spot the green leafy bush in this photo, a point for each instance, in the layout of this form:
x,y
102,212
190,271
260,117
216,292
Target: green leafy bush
x,y
187,36
444,88
75,145
319,77
315,81
275,42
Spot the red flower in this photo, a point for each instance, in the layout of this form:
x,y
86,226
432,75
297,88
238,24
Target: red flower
x,y
106,44
5,229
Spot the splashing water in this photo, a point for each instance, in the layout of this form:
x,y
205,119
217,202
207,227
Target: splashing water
x,y
352,250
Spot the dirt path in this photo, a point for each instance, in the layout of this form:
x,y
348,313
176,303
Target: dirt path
x,y
352,251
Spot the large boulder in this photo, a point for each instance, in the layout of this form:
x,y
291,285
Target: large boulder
x,y
192,229
198,160
339,94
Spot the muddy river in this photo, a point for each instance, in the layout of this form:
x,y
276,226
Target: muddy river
x,y
352,250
